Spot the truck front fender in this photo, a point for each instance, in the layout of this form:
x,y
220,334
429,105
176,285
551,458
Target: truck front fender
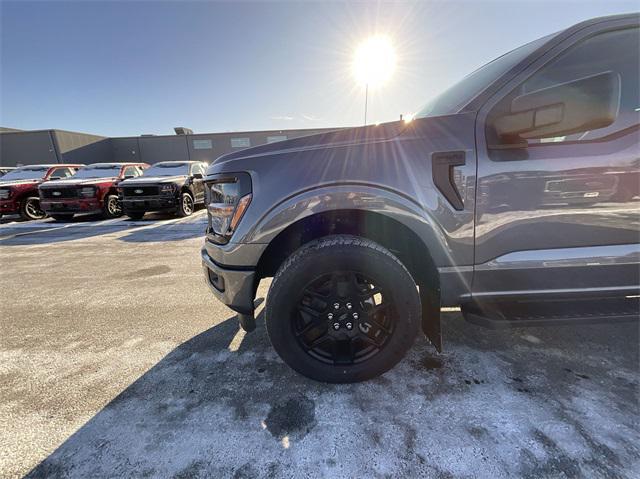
x,y
428,239
354,196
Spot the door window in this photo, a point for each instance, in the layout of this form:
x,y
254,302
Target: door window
x,y
131,171
614,51
60,173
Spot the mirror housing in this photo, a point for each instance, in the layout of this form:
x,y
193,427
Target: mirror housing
x,y
128,177
197,176
580,105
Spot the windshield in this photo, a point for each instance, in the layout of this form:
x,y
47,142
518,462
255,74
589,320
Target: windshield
x,y
103,171
26,174
168,169
452,100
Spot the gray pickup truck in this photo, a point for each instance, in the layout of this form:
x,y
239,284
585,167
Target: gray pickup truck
x,y
515,195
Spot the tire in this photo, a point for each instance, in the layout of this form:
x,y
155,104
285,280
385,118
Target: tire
x,y
186,206
61,217
111,208
30,209
352,265
135,215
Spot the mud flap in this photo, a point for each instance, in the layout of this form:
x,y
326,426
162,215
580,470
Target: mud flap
x,y
247,322
430,300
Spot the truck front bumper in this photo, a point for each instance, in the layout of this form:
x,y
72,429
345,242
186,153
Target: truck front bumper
x,y
235,288
149,203
71,206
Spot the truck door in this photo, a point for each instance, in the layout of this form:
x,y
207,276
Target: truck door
x,y
561,214
198,183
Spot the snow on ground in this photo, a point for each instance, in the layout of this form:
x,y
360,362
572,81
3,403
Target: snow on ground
x,y
116,361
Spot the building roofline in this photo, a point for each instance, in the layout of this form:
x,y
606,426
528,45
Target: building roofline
x,y
226,133
52,130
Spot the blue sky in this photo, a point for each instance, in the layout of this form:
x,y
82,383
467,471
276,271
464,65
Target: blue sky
x,y
127,68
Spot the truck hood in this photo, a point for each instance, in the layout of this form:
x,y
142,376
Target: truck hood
x,y
5,184
77,182
147,180
331,139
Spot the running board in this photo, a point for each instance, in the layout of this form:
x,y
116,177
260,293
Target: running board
x,y
525,313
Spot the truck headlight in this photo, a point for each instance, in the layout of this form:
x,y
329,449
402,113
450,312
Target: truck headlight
x,y
5,193
88,192
228,197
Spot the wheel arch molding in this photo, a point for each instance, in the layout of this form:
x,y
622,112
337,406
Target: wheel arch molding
x,y
396,222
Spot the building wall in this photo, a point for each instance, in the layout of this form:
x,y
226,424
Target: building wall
x,y
154,149
198,147
58,146
27,148
125,149
81,147
209,146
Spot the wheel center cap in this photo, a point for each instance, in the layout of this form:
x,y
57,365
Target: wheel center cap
x,y
343,317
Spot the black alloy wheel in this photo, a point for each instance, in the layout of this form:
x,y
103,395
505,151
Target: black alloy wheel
x,y
342,309
343,318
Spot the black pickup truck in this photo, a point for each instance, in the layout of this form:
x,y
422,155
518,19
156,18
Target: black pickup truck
x,y
175,186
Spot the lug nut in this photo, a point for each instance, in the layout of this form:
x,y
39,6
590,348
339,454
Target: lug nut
x,y
330,315
348,305
349,326
355,315
336,305
336,326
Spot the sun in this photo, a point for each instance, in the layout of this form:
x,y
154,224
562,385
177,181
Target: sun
x,y
374,61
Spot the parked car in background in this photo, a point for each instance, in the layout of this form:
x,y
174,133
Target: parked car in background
x,y
174,186
91,190
19,188
514,195
5,169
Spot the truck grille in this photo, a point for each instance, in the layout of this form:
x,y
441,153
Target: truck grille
x,y
134,191
56,193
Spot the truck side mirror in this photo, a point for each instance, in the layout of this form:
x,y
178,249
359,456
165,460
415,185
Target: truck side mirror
x,y
128,177
581,105
197,176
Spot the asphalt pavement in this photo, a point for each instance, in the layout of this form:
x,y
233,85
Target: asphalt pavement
x,y
116,361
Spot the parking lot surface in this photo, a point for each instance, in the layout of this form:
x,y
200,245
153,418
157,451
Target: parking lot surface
x,y
115,360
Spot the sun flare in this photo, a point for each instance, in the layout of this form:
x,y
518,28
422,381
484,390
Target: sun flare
x,y
374,61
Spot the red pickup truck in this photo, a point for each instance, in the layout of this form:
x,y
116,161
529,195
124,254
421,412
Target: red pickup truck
x,y
91,190
19,188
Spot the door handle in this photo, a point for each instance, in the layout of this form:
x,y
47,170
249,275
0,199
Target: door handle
x,y
442,167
